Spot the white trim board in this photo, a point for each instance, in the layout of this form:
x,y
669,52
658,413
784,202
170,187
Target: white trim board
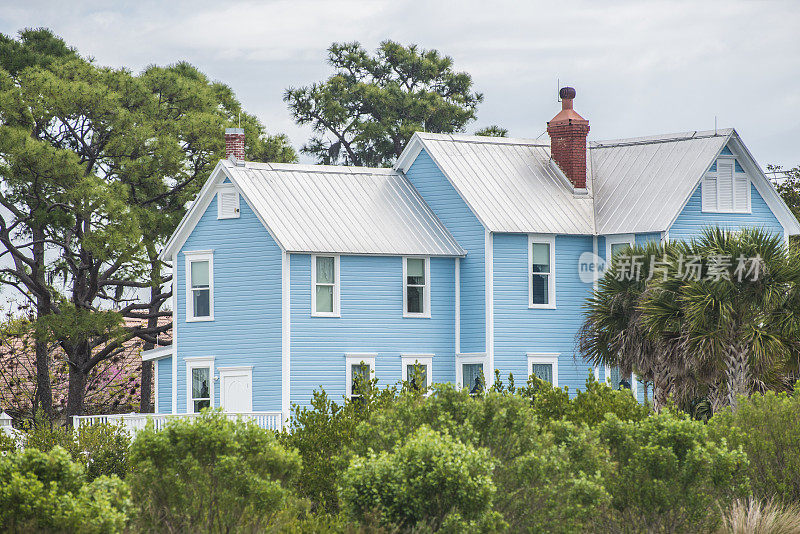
x,y
545,358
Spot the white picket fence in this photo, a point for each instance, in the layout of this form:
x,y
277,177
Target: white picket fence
x,y
133,422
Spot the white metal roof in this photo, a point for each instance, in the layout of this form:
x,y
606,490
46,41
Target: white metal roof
x,y
510,184
641,184
347,210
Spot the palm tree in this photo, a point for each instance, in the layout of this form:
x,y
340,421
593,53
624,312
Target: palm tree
x,y
738,321
613,333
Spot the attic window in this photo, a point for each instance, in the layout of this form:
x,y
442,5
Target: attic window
x,y
726,188
227,203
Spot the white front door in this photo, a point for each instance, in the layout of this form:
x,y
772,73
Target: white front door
x,y
237,389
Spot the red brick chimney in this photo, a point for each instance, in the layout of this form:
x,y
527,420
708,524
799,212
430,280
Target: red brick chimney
x,y
234,143
568,132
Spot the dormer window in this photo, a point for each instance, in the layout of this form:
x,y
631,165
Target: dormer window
x,y
726,188
227,203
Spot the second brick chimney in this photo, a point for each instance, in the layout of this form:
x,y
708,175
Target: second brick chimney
x,y
234,143
568,132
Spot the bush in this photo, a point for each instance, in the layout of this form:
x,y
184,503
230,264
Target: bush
x,y
102,449
428,480
670,476
536,467
47,492
589,406
767,427
210,475
321,433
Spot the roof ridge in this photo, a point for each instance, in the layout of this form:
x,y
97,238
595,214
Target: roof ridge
x,y
312,168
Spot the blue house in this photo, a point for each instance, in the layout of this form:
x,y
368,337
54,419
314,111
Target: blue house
x,y
464,258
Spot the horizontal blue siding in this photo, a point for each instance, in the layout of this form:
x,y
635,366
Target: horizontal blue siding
x,y
519,330
247,304
454,213
164,385
643,239
692,219
371,321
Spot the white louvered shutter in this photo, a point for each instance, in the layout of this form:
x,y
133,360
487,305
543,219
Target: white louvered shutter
x,y
709,192
228,200
725,177
741,192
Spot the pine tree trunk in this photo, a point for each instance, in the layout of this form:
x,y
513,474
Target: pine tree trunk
x,y
146,391
44,393
76,393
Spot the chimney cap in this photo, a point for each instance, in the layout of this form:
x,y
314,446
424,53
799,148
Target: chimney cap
x,y
234,130
567,92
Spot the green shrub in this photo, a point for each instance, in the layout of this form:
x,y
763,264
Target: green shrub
x,y
47,492
321,432
426,480
588,406
670,476
535,467
7,443
102,449
767,427
210,475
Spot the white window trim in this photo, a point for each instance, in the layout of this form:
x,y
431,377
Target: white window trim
x,y
225,371
228,188
634,381
336,286
471,357
355,359
551,279
199,255
154,383
194,363
732,160
421,359
544,357
426,314
619,239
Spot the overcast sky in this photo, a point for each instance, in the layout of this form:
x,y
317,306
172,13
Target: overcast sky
x,y
639,67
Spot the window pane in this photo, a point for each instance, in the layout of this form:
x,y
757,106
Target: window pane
x,y
415,271
360,378
472,376
202,302
325,270
324,299
417,375
200,383
618,247
415,299
200,404
539,291
544,371
541,258
200,276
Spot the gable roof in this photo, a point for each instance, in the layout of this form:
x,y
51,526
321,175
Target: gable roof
x,y
510,184
329,209
633,185
641,184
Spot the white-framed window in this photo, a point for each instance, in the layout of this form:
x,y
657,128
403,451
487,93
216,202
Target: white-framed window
x,y
325,286
359,369
416,287
616,380
227,202
541,271
472,371
726,188
200,285
618,243
199,383
418,366
544,365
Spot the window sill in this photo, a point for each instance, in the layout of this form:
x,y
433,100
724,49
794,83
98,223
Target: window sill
x,y
333,315
407,315
199,319
728,212
541,306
